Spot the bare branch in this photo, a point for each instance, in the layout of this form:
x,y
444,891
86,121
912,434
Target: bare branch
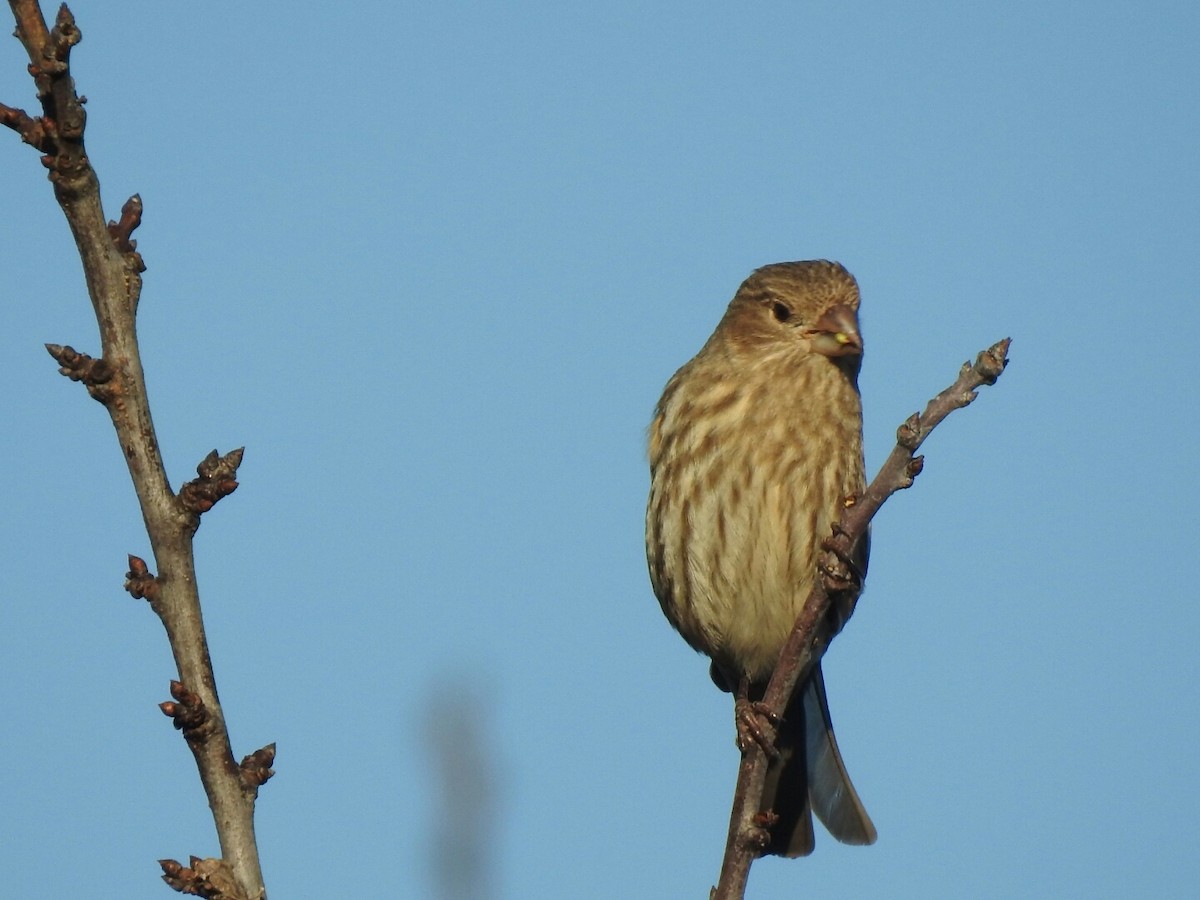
x,y
31,130
112,269
31,27
836,590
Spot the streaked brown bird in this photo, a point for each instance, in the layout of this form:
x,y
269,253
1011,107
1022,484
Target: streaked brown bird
x,y
755,449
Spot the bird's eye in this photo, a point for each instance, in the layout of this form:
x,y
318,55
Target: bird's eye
x,y
780,311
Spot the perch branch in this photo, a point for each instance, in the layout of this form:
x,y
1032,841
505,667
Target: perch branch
x,y
811,634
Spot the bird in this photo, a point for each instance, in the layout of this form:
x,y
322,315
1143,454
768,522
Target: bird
x,y
755,449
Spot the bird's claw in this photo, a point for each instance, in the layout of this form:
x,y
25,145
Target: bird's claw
x,y
846,575
755,724
757,835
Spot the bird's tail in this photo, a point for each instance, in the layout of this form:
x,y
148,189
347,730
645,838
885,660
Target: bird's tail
x,y
809,776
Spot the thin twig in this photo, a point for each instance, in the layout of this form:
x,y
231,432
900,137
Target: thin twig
x,y
112,269
811,635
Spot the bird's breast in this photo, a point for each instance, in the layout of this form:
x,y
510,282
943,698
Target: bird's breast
x,y
748,476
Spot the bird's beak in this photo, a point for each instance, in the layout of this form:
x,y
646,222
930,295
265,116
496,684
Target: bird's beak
x,y
836,333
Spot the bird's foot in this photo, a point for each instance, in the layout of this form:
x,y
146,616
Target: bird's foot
x,y
755,724
845,574
757,836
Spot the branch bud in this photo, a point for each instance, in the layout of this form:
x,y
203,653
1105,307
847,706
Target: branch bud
x,y
216,481
140,583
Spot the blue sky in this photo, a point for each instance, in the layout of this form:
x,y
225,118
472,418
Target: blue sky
x,y
432,265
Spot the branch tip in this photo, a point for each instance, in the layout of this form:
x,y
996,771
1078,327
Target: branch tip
x,y
58,133
990,364
63,36
96,374
32,130
170,866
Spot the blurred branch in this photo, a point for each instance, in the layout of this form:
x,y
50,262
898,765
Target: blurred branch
x,y
464,812
812,632
112,269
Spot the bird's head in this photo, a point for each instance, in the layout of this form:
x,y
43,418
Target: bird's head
x,y
800,308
